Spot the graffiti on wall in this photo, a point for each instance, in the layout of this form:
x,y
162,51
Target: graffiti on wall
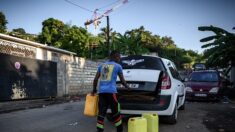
x,y
25,78
18,90
15,49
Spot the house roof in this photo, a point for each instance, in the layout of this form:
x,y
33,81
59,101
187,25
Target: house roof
x,y
35,44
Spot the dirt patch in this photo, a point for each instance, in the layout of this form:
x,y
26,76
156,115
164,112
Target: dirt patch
x,y
220,117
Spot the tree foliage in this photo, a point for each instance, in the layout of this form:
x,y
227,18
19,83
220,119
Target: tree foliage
x,y
21,33
72,38
220,48
19,30
141,41
52,31
3,23
148,40
130,44
75,39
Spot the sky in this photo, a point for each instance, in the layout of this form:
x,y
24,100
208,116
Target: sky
x,y
178,19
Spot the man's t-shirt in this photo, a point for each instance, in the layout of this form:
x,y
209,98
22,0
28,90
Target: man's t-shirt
x,y
108,76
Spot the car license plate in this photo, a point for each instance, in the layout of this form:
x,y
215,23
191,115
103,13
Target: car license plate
x,y
201,95
132,85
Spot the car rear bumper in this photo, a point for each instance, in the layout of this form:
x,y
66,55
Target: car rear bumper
x,y
201,96
160,106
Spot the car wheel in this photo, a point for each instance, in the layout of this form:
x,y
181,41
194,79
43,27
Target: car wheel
x,y
172,119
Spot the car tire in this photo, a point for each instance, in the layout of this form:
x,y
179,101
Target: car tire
x,y
172,119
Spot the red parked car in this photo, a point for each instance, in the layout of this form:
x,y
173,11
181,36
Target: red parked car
x,y
205,84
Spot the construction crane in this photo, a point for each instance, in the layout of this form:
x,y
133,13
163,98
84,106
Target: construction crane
x,y
96,18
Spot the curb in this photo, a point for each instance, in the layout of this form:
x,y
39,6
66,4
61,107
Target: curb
x,y
12,106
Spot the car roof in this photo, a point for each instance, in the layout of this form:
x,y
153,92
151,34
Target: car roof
x,y
150,56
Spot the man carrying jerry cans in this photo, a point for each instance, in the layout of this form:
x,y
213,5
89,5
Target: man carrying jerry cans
x,y
107,74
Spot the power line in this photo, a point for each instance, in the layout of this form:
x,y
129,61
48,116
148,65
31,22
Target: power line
x,y
79,6
105,6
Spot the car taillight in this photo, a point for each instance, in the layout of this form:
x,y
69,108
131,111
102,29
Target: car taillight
x,y
166,81
162,102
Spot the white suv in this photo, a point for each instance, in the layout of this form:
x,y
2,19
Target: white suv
x,y
156,87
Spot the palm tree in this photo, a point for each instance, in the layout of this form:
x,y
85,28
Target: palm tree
x,y
130,44
220,47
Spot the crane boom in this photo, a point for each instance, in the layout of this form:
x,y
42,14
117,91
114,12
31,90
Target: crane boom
x,y
95,20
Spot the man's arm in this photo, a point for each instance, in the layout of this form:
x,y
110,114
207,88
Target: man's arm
x,y
123,81
95,82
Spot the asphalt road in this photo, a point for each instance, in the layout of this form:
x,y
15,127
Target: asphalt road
x,y
68,117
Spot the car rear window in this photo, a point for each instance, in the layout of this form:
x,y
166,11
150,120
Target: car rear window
x,y
204,77
142,62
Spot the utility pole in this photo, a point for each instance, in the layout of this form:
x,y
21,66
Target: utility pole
x,y
96,21
175,50
108,35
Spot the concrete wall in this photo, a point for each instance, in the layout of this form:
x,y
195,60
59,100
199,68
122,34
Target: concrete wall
x,y
80,76
74,74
